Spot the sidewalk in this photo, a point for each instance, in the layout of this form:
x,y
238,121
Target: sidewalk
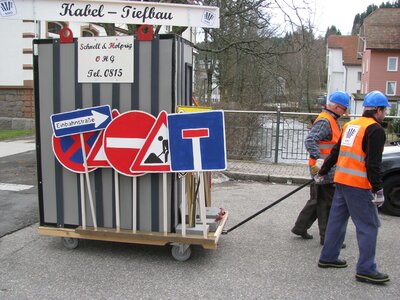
x,y
268,172
17,145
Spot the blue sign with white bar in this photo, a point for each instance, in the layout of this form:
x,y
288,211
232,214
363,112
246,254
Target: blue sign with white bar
x,y
81,120
197,141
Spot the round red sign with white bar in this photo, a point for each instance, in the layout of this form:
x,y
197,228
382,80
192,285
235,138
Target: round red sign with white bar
x,y
124,137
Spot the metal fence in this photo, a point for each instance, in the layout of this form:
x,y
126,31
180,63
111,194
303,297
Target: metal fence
x,y
276,136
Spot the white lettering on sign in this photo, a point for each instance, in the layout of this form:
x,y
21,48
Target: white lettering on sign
x,y
112,11
96,118
105,59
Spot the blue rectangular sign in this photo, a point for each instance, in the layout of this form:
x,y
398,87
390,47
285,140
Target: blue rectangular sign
x,y
81,120
197,141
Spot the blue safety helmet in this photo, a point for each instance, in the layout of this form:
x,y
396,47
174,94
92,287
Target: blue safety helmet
x,y
341,98
376,98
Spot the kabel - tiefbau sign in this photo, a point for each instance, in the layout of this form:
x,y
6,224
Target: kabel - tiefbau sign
x,y
111,11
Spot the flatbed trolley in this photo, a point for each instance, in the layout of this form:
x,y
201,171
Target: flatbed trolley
x,y
180,244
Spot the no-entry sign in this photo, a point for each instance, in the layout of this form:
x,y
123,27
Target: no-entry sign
x,y
124,137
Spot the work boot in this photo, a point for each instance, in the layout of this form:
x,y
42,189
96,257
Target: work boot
x,y
339,263
377,278
304,235
322,240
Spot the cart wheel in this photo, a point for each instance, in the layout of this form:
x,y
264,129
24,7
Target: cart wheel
x,y
70,243
181,252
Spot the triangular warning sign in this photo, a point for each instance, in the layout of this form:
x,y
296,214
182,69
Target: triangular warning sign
x,y
154,155
96,156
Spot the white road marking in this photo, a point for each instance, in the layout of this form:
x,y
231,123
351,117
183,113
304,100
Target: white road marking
x,y
15,147
14,187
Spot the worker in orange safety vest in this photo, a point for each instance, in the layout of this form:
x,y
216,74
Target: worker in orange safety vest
x,y
357,155
319,142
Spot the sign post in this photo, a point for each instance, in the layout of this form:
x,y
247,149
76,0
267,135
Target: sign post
x,y
79,122
197,144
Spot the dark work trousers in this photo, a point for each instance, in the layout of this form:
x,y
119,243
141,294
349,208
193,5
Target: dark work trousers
x,y
355,203
316,208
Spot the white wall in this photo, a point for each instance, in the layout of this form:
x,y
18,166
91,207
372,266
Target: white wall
x,y
12,58
352,82
336,71
341,77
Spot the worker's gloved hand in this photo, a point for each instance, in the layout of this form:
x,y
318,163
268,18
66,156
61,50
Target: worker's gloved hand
x,y
314,166
379,198
314,170
318,178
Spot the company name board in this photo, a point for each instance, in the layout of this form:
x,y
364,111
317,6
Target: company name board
x,y
126,12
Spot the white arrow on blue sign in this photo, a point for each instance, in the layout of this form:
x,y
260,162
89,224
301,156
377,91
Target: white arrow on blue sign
x,y
81,120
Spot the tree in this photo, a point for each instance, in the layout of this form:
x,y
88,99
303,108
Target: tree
x,y
332,31
247,48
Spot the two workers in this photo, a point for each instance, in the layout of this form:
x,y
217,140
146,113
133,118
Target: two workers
x,y
353,159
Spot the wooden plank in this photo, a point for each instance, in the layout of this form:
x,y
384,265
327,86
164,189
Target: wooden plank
x,y
140,237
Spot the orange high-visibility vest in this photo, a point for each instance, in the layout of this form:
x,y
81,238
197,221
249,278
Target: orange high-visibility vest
x,y
350,167
325,147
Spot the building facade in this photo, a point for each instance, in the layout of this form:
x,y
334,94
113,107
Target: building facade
x,y
344,67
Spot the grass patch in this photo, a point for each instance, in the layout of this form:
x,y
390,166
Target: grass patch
x,y
9,134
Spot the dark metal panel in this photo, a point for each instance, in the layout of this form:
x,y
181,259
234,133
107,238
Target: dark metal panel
x,y
66,101
155,99
125,96
135,86
164,76
126,201
106,96
59,171
145,203
145,76
87,95
45,103
37,131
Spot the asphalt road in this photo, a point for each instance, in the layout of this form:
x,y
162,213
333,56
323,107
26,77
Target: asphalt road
x,y
18,209
259,260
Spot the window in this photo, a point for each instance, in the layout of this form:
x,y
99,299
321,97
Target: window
x,y
359,76
53,29
366,66
392,64
89,31
390,88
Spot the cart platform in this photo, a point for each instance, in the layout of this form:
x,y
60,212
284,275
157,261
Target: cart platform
x,y
71,236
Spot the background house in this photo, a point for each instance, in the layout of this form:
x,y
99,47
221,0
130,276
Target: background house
x,y
379,47
369,61
344,67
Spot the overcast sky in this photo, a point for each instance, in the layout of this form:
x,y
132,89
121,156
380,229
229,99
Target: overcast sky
x,y
339,13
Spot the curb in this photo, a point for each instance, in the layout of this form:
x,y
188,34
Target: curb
x,y
266,178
